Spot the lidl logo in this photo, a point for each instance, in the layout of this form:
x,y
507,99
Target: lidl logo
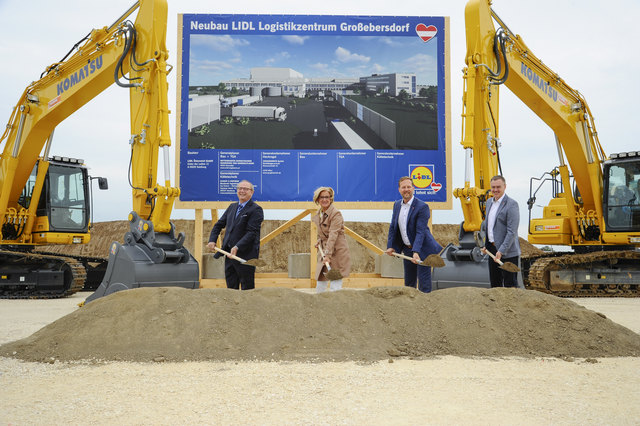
x,y
421,177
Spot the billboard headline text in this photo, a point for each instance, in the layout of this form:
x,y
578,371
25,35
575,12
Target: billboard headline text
x,y
290,26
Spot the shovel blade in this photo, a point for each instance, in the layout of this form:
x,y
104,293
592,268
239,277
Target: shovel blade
x,y
333,275
256,262
510,267
434,261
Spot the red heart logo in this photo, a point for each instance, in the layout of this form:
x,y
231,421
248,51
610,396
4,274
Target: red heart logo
x,y
436,186
426,33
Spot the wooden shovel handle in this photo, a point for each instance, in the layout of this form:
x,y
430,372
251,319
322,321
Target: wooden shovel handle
x,y
402,256
322,254
232,256
494,258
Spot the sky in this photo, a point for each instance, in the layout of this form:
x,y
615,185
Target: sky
x,y
590,44
216,58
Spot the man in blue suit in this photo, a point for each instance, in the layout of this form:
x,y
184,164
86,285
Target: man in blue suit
x,y
409,234
501,223
242,221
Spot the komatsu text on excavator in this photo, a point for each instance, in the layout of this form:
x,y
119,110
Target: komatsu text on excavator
x,y
595,204
45,199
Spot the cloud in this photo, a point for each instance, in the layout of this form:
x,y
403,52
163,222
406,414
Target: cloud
x,y
278,57
208,65
420,64
390,41
295,39
222,43
377,68
344,55
320,67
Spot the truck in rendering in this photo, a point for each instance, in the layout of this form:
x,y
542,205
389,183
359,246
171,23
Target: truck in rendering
x,y
249,100
260,112
232,100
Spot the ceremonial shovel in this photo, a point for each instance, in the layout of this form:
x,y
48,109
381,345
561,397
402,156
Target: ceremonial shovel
x,y
435,260
432,260
332,274
507,266
250,262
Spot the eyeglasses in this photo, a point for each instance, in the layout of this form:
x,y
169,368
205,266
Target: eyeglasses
x,y
242,188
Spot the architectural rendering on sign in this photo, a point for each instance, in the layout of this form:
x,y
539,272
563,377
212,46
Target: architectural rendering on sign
x,y
281,96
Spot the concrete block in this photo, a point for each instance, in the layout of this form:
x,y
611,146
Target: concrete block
x,y
212,268
299,265
389,267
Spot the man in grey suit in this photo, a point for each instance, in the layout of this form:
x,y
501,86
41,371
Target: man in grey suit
x,y
501,229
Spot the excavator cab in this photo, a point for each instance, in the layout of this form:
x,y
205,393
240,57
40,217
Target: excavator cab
x,y
63,203
621,200
67,203
63,213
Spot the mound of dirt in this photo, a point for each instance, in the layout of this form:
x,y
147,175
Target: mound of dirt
x,y
276,252
174,324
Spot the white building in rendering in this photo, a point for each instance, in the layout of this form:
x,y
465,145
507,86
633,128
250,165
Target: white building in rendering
x,y
286,82
392,84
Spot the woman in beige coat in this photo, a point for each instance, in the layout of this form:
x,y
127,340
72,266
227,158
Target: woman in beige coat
x,y
332,240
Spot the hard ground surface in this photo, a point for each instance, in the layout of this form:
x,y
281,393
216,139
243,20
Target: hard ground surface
x,y
446,389
279,324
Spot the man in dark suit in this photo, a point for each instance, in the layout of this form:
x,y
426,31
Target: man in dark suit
x,y
501,229
242,221
409,234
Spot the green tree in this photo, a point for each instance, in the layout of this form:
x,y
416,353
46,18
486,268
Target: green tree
x,y
432,94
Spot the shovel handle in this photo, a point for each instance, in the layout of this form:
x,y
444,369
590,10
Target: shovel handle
x,y
402,256
498,261
232,256
322,254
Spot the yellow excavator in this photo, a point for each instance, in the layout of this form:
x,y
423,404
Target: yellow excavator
x,y
45,199
595,198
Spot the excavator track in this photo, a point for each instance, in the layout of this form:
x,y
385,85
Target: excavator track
x,y
29,275
95,268
597,274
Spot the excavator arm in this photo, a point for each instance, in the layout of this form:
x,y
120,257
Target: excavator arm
x,y
104,57
496,57
600,217
132,55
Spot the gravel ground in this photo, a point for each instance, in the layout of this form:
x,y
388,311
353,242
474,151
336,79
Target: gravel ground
x,y
443,390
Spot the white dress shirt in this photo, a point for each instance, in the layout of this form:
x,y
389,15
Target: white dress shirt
x,y
402,220
491,219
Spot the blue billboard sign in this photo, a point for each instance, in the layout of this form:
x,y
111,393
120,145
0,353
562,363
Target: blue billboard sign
x,y
293,102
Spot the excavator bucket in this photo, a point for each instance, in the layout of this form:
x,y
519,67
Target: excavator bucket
x,y
148,259
463,268
465,265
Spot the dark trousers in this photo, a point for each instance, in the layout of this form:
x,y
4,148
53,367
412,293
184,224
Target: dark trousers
x,y
236,274
497,276
413,273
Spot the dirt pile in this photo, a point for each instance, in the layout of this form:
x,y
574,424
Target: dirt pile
x,y
276,252
174,324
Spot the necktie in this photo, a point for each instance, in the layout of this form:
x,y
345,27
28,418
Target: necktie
x,y
240,206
